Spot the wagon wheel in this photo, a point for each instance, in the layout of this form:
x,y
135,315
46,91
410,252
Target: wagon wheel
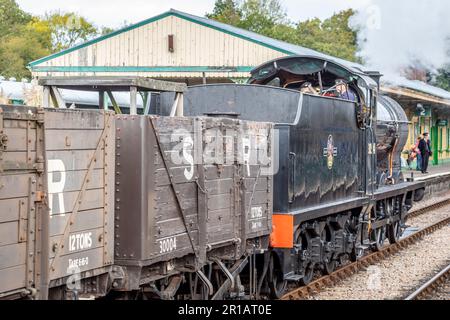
x,y
378,236
276,283
327,237
305,244
394,231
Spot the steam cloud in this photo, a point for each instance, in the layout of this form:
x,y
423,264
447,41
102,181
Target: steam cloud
x,y
394,34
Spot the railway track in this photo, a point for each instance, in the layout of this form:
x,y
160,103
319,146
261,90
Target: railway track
x,y
348,270
431,285
432,207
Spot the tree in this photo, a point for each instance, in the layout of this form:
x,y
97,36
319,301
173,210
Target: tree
x,y
267,17
262,16
106,30
226,11
18,50
25,38
11,18
332,36
20,41
67,29
442,78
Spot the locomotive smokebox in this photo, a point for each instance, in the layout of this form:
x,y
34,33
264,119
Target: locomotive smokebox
x,y
392,135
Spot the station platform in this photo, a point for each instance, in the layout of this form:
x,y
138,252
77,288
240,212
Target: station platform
x,y
433,172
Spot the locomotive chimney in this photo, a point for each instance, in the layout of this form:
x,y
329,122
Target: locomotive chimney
x,y
376,76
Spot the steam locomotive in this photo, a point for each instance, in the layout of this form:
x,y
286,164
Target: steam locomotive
x,y
339,190
284,184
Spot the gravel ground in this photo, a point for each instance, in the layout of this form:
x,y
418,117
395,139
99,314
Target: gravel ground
x,y
443,293
428,218
426,203
399,275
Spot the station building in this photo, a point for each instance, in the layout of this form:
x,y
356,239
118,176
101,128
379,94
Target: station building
x,y
178,46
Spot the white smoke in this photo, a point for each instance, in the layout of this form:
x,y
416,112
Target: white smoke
x,y
396,34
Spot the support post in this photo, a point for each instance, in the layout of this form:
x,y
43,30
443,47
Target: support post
x,y
148,102
102,103
435,145
180,107
59,99
46,97
114,102
133,100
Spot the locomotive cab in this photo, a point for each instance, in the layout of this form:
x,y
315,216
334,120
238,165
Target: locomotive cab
x,y
315,76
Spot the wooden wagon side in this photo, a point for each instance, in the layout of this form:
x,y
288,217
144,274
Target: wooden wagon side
x,y
56,201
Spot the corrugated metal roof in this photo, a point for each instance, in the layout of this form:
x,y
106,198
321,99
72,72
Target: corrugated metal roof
x,y
284,47
402,82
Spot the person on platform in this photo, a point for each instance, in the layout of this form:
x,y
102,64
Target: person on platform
x,y
412,155
425,151
418,155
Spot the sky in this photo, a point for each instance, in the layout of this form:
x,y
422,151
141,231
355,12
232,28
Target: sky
x,y
113,13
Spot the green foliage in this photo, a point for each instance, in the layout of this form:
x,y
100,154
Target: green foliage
x,y
442,79
67,29
262,16
21,41
226,11
106,30
267,17
25,38
18,50
332,36
11,18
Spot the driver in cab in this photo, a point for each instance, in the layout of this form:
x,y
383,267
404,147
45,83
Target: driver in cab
x,y
343,92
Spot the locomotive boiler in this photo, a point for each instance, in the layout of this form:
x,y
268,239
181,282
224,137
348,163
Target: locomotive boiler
x,y
392,135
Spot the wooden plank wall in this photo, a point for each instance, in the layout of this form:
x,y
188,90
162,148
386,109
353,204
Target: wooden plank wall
x,y
71,141
15,191
147,46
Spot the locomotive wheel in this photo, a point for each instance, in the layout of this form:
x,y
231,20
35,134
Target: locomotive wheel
x,y
304,240
353,255
350,228
329,267
394,232
327,236
378,236
308,274
277,285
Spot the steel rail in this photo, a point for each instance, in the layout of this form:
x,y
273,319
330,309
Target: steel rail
x,y
431,285
432,207
364,262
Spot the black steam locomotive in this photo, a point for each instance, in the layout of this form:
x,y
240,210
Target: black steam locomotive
x,y
94,204
339,189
